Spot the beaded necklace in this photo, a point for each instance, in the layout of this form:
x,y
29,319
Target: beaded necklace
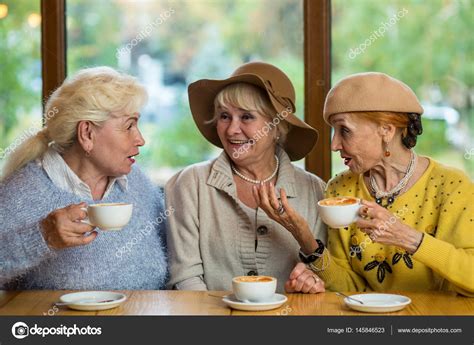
x,y
393,193
245,178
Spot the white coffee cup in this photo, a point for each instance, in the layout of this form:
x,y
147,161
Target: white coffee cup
x,y
339,212
254,289
110,216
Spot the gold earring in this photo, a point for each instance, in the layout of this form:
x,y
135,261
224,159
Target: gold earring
x,y
387,152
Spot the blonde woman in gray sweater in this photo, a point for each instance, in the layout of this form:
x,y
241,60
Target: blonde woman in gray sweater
x,y
82,156
217,231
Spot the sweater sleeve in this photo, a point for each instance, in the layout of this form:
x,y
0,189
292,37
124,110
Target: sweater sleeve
x,y
186,267
319,228
194,283
449,251
22,248
334,265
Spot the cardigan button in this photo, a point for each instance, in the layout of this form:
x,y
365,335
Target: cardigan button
x,y
252,273
262,230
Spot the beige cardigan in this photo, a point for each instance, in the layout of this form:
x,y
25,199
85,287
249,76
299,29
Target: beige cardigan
x,y
210,237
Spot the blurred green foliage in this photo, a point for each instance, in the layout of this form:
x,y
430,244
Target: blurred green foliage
x,y
20,67
433,129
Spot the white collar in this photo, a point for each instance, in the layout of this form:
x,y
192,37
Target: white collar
x,y
64,178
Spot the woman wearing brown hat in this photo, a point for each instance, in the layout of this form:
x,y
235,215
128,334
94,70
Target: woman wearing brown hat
x,y
217,231
416,222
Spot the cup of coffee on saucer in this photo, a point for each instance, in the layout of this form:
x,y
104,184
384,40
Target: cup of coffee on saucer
x,y
110,216
339,212
254,289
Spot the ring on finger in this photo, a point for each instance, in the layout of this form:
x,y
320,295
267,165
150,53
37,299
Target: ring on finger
x,y
281,208
316,279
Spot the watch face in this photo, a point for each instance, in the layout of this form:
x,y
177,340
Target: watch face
x,y
308,258
303,258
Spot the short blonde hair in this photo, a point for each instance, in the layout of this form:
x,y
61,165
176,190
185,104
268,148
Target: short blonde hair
x,y
93,94
252,98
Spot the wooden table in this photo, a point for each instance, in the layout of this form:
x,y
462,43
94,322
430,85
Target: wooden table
x,y
210,303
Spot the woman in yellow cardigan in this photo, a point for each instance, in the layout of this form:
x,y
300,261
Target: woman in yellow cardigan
x,y
416,225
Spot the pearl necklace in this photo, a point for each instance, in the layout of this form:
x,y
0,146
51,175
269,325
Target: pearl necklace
x,y
391,194
245,178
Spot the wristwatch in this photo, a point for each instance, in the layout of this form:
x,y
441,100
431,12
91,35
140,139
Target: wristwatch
x,y
313,256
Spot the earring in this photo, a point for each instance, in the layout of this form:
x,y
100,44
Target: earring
x,y
387,152
88,152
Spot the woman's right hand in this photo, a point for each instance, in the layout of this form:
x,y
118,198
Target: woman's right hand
x,y
62,227
302,279
283,213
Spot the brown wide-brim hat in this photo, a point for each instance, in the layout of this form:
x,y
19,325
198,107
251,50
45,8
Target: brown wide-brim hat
x,y
371,91
301,137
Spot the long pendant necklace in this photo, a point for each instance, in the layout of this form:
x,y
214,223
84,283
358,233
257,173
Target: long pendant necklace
x,y
393,193
245,178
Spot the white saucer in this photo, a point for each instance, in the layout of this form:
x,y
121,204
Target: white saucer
x,y
378,302
276,301
87,300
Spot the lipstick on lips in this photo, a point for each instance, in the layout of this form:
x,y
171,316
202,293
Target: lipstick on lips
x,y
131,159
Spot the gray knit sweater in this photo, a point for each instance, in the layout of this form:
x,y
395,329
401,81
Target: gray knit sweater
x,y
132,258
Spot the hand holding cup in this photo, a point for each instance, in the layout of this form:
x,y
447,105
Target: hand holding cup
x,y
62,227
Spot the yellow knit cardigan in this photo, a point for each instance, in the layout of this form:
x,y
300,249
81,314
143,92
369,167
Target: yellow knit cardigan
x,y
440,204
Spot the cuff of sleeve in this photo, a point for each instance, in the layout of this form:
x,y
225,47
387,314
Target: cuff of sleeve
x,y
323,268
321,265
432,252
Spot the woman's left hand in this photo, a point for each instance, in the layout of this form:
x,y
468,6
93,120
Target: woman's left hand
x,y
283,213
386,228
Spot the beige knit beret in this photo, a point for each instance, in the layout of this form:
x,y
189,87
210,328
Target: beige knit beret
x,y
370,91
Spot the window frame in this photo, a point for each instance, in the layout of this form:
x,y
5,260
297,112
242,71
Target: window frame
x,y
317,68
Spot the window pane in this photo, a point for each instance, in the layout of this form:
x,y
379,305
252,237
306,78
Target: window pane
x,y
168,45
20,73
426,44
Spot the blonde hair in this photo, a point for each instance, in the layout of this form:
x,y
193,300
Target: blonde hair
x,y
93,94
252,98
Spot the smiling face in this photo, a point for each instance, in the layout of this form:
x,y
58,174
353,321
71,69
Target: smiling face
x,y
358,141
246,135
115,143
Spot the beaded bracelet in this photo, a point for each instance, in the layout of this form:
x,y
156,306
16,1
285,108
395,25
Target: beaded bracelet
x,y
323,261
